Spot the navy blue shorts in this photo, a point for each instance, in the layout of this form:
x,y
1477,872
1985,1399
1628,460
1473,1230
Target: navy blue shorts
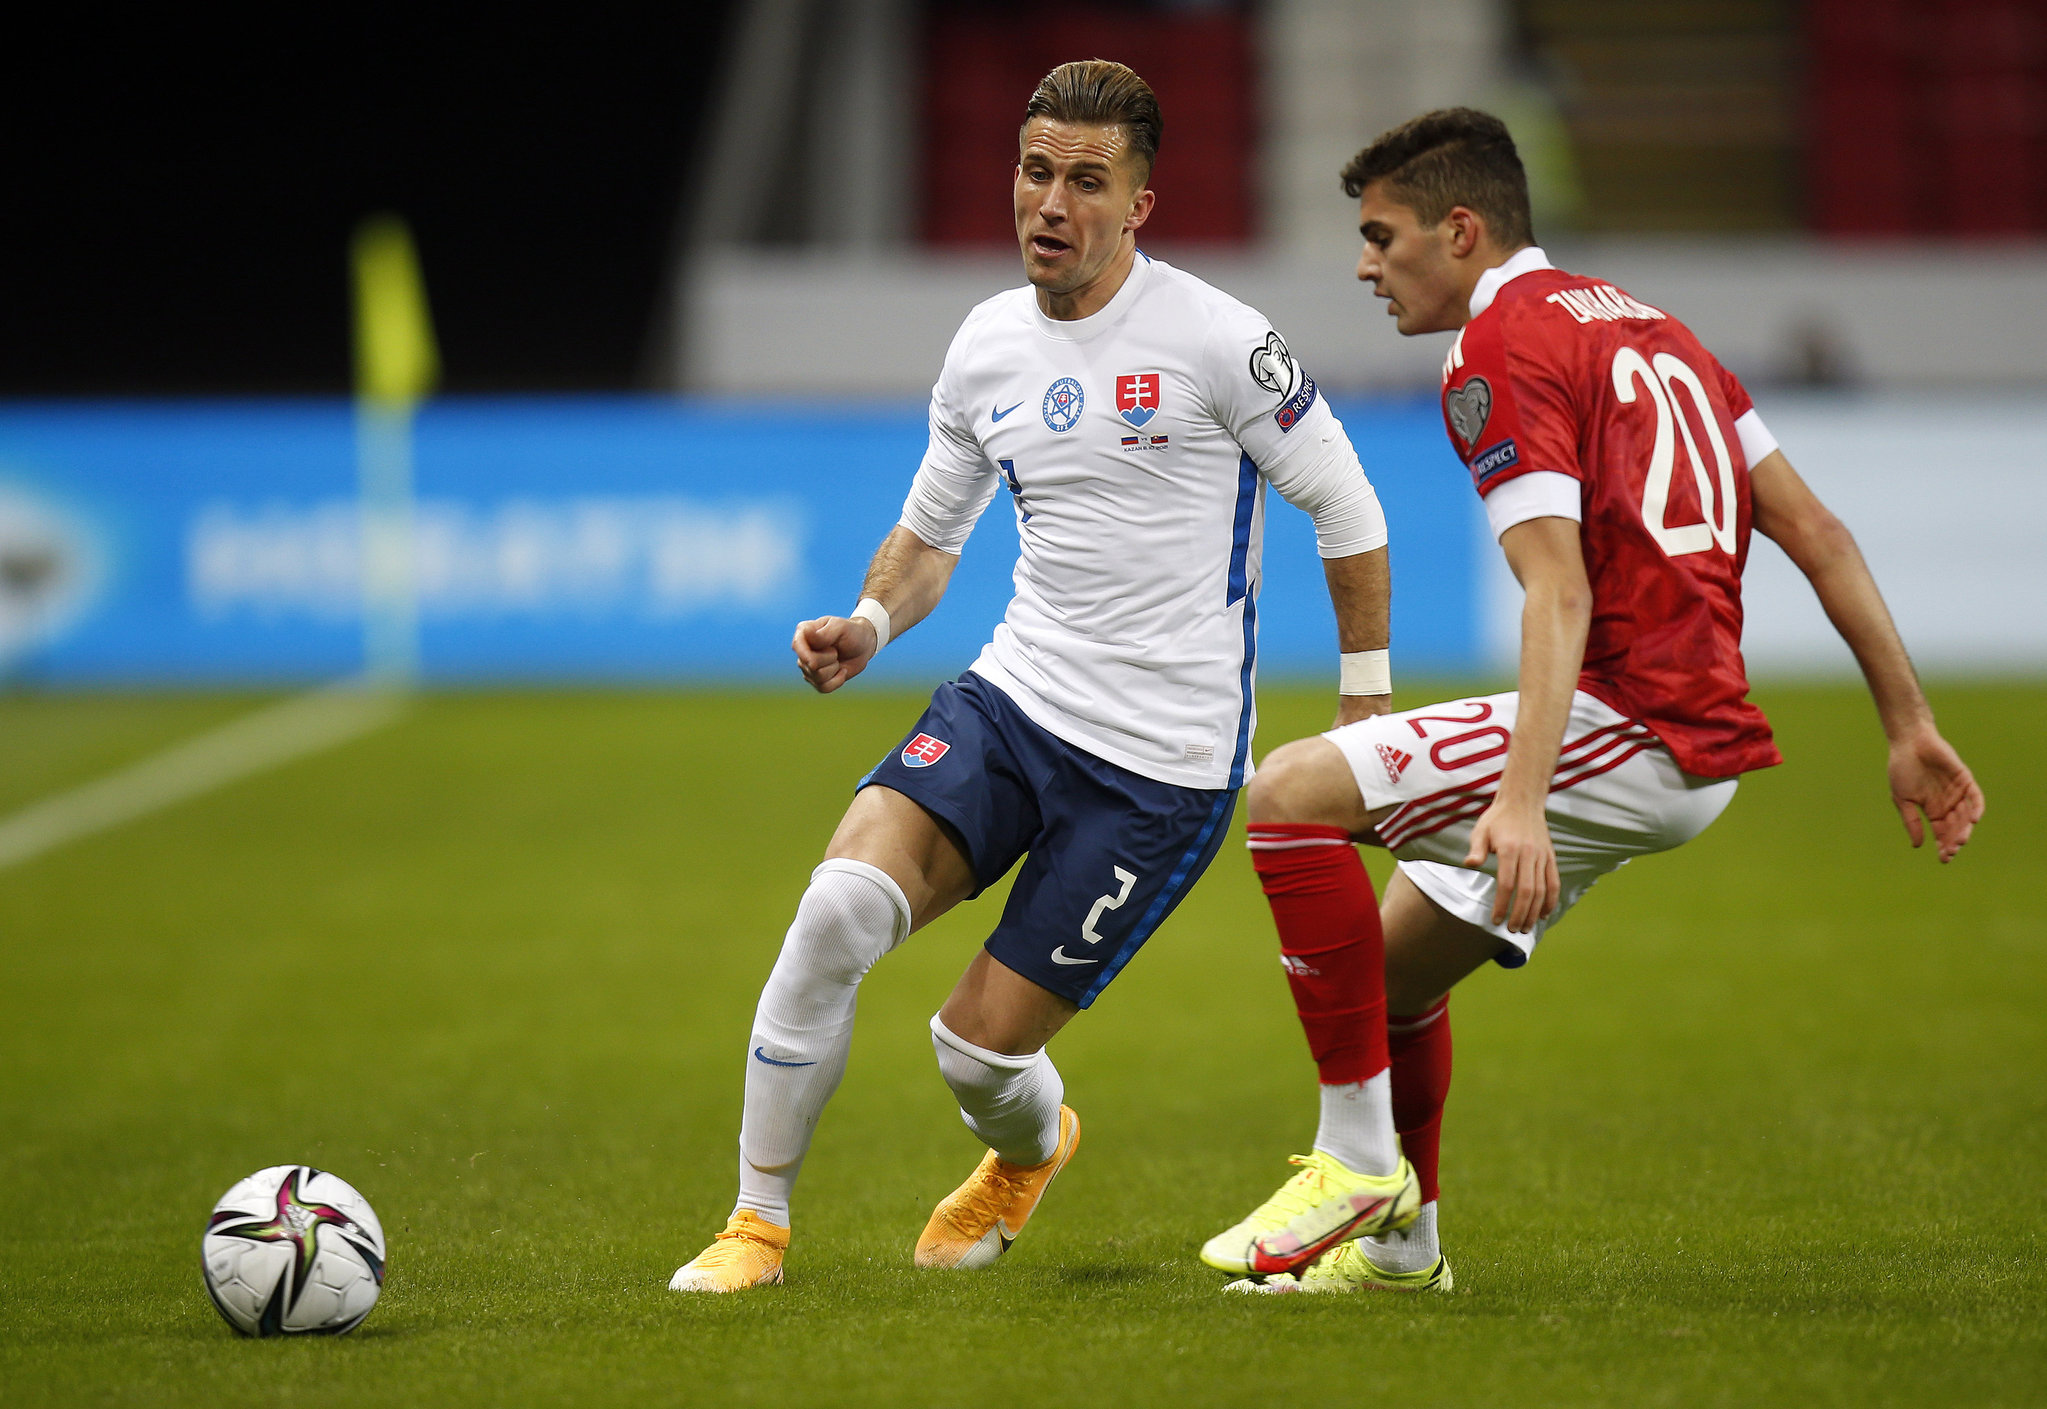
x,y
1108,853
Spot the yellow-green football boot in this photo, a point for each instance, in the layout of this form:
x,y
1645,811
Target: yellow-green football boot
x,y
1348,1269
1325,1203
1231,1249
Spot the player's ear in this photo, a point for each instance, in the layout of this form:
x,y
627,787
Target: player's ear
x,y
1466,229
1140,209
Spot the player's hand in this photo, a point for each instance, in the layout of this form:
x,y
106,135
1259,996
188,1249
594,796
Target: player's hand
x,y
1351,708
1928,776
833,649
1527,885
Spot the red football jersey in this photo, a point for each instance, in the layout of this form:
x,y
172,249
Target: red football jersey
x,y
1570,374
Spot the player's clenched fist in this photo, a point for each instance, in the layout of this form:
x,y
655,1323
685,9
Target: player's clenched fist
x,y
831,650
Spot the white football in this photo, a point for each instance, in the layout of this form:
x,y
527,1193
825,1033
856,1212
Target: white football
x,y
292,1251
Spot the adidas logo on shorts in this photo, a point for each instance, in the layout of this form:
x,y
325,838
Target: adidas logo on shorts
x,y
1396,762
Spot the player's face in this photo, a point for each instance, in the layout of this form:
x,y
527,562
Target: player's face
x,y
1410,265
1079,199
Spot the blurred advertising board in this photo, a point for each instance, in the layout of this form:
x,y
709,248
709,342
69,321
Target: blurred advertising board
x,y
595,539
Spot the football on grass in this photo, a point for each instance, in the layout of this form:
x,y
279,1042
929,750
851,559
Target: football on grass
x,y
293,1251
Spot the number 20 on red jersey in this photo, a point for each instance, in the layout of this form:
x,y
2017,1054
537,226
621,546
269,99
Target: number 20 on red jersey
x,y
1663,377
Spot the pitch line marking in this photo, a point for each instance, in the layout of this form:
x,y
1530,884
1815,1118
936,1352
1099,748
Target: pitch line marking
x,y
305,724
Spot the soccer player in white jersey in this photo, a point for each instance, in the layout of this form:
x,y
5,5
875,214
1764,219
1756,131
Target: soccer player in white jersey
x,y
1133,416
1622,468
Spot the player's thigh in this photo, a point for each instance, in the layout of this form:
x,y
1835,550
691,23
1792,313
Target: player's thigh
x,y
1423,775
1617,795
887,830
1116,855
1426,775
949,806
1428,950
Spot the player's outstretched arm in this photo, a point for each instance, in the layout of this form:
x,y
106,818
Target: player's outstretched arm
x,y
1928,778
907,577
1549,560
1361,590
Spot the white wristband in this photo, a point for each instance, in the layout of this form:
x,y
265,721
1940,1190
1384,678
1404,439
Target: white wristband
x,y
876,615
1365,673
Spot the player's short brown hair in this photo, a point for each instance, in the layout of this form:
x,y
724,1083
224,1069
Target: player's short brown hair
x,y
1104,93
1450,157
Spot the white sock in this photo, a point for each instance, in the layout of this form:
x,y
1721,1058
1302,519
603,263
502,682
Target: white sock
x,y
1012,1103
1357,1125
1412,1249
851,915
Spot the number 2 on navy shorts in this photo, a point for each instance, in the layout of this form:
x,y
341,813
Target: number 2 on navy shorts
x,y
1107,854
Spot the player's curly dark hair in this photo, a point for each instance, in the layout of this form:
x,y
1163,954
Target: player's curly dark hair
x,y
1450,157
1103,92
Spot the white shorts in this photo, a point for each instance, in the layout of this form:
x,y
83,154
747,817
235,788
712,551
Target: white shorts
x,y
1617,794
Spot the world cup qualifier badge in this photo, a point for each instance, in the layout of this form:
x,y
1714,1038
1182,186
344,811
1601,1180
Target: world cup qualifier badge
x,y
1063,402
1469,407
1137,397
923,751
1273,366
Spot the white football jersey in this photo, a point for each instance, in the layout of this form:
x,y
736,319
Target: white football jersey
x,y
1135,445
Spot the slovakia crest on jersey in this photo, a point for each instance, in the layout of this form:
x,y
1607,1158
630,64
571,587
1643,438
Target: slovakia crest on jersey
x,y
1063,403
923,751
1137,397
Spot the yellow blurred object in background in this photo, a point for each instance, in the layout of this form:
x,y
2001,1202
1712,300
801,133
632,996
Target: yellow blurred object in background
x,y
396,366
396,363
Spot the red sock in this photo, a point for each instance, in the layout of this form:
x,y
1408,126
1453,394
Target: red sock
x,y
1334,950
1420,1049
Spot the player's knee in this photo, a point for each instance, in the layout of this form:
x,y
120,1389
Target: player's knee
x,y
1292,785
851,914
969,1068
1409,994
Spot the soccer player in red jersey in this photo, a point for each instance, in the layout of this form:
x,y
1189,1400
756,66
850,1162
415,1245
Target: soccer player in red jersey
x,y
1622,469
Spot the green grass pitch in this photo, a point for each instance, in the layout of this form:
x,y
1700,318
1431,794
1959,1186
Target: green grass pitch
x,y
1764,1122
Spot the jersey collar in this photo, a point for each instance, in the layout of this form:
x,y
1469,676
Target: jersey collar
x,y
1103,318
1490,282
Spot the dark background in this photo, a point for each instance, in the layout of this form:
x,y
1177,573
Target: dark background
x,y
176,200
178,203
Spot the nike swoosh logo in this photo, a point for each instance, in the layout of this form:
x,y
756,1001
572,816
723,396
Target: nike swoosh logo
x,y
1059,955
1265,1259
995,415
763,1056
